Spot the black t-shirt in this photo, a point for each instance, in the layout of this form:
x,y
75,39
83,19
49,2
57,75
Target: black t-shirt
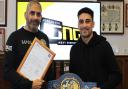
x,y
16,47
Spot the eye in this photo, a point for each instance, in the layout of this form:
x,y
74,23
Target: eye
x,y
32,12
88,20
81,21
38,14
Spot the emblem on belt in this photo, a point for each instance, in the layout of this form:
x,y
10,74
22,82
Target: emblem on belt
x,y
67,81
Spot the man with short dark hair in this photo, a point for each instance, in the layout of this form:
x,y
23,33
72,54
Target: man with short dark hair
x,y
92,57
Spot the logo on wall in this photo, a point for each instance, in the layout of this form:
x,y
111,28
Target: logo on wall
x,y
58,33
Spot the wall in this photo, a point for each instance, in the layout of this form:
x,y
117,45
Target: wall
x,y
11,17
119,42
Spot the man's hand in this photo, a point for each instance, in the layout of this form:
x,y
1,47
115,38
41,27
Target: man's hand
x,y
37,84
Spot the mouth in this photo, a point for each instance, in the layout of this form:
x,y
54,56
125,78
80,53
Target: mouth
x,y
35,22
84,28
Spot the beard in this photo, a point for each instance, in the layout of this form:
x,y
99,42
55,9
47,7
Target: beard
x,y
33,25
85,32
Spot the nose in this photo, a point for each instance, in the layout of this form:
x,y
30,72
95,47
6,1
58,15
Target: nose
x,y
84,24
35,16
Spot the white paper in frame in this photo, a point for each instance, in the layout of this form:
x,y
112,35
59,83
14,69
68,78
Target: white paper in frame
x,y
36,61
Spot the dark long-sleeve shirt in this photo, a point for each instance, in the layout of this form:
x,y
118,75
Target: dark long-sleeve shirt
x,y
16,47
95,62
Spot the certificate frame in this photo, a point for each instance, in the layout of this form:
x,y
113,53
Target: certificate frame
x,y
36,61
2,40
112,17
126,15
3,14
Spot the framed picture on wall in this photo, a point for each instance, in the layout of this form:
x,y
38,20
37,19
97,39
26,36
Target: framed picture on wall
x,y
2,40
126,15
112,17
3,12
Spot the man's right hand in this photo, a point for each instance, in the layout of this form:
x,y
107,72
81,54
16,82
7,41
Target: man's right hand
x,y
37,84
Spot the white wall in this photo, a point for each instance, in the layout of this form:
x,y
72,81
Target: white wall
x,y
11,17
119,43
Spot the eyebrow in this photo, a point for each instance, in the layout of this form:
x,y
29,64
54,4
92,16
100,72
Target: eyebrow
x,y
84,20
34,12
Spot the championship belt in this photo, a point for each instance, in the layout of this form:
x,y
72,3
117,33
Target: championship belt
x,y
67,81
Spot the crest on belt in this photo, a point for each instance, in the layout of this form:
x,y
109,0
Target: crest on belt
x,y
67,81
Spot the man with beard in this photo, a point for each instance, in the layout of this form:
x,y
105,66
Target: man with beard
x,y
92,57
17,46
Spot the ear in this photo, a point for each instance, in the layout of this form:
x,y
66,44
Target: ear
x,y
25,15
93,24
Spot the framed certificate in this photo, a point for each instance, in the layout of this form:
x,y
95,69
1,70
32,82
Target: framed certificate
x,y
36,61
2,40
3,12
126,15
112,17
